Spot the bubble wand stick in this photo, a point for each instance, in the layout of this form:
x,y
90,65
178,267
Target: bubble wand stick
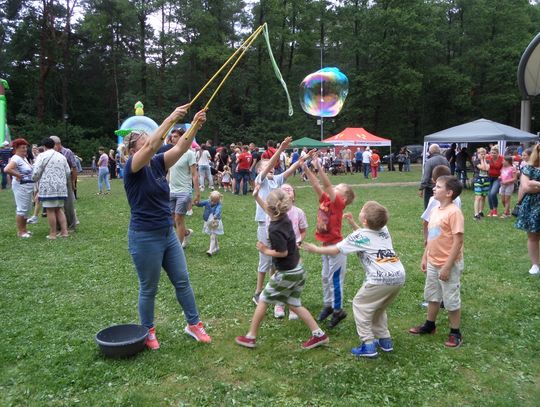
x,y
243,48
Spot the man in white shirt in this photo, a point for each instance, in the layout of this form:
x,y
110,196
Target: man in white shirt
x,y
366,162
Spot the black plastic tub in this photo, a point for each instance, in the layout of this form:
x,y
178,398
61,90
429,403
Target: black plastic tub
x,y
120,341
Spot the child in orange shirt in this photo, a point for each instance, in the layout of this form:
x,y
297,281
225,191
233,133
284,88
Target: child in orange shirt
x,y
443,260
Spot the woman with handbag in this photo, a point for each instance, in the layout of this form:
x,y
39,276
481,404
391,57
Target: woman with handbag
x,y
52,171
22,184
529,211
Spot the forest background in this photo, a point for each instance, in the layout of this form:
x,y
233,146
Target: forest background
x,y
77,67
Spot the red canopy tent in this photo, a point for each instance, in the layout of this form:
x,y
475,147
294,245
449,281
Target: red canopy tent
x,y
357,136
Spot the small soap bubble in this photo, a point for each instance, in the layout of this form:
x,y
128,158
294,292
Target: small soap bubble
x,y
323,93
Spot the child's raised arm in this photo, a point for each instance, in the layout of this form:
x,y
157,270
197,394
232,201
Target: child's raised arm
x,y
274,159
299,163
313,180
327,185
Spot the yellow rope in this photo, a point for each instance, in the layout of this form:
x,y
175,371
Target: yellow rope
x,y
244,47
250,39
247,45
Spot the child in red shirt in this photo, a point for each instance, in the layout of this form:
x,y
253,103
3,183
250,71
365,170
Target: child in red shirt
x,y
332,201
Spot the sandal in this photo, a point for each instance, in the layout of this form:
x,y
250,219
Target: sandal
x,y
50,237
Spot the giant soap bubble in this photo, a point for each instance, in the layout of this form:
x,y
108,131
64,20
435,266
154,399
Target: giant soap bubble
x,y
323,93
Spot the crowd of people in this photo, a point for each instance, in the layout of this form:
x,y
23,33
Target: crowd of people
x,y
163,181
44,177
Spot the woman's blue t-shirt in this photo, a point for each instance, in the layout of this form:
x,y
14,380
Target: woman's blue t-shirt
x,y
147,193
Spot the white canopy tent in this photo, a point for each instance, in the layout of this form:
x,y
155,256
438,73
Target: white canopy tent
x,y
481,130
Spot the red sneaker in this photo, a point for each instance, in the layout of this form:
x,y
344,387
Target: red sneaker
x,y
198,332
246,342
454,341
315,341
151,339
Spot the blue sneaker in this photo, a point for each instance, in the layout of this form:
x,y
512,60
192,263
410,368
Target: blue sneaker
x,y
385,344
367,350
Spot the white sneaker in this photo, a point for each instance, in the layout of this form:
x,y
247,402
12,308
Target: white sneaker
x,y
187,238
279,311
189,213
534,270
293,316
32,220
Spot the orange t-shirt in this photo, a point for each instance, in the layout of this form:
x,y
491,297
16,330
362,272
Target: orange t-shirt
x,y
443,225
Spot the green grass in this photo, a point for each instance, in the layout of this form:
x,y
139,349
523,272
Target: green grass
x,y
56,295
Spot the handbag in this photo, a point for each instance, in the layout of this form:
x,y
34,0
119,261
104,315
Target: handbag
x,y
37,176
515,211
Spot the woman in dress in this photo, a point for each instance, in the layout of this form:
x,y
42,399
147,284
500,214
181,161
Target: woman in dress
x,y
152,241
52,171
529,213
22,184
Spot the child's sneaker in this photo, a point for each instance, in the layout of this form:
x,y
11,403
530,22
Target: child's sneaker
x,y
385,344
151,339
32,220
325,313
279,311
454,341
422,330
187,238
315,341
246,342
337,317
293,316
189,213
366,350
198,332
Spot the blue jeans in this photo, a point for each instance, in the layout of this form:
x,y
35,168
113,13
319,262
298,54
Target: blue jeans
x,y
103,177
367,169
407,166
205,173
151,250
494,185
242,175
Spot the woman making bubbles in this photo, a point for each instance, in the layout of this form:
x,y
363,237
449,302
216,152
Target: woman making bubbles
x,y
152,241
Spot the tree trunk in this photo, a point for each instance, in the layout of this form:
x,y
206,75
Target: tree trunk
x,y
46,58
292,47
66,57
